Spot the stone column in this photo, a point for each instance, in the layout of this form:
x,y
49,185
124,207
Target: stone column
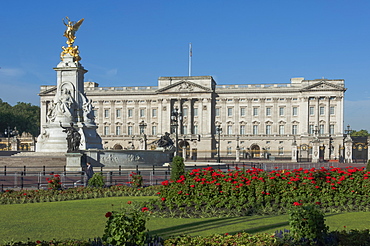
x,y
294,151
348,149
237,159
315,150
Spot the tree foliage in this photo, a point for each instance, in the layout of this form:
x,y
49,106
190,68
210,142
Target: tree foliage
x,y
177,167
24,116
361,133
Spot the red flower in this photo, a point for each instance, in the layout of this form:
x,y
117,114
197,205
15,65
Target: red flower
x,y
163,199
297,204
179,192
192,186
109,214
144,209
129,202
25,194
56,176
38,241
318,203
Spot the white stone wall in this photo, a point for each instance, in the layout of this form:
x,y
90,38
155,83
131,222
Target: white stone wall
x,y
201,97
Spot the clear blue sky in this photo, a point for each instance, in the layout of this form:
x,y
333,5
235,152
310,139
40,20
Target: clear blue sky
x,y
126,43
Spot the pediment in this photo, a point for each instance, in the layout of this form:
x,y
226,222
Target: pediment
x,y
184,86
323,86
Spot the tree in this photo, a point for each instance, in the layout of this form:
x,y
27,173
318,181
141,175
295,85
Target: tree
x,y
177,168
24,116
361,133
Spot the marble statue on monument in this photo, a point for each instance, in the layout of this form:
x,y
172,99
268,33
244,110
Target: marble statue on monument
x,y
70,108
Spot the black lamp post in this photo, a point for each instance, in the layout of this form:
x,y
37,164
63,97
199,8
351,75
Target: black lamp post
x,y
176,118
218,130
142,126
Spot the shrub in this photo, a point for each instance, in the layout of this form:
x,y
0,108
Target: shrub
x,y
177,167
307,224
126,227
97,180
136,180
54,182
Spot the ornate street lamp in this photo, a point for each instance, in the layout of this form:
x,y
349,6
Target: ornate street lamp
x,y
218,131
142,126
176,118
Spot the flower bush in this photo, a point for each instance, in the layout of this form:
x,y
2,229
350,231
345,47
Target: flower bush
x,y
307,224
136,180
97,180
50,195
54,182
126,227
209,192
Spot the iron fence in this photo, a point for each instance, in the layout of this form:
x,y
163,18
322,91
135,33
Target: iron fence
x,y
36,177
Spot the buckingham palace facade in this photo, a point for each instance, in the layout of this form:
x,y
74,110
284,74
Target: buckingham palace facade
x,y
258,120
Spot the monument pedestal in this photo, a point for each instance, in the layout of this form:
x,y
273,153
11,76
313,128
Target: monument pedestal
x,y
74,162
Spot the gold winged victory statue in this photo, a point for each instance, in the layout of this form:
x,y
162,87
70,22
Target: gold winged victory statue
x,y
69,33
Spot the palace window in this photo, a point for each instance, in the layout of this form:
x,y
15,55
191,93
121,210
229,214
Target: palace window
x,y
229,111
294,129
255,111
229,150
255,130
229,130
129,130
118,130
217,112
118,113
130,112
154,112
281,129
185,111
310,129
142,112
195,111
268,111
195,131
281,111
322,129
106,130
331,129
268,129
312,110
106,113
154,130
322,110
242,130
295,111
281,150
242,111
332,110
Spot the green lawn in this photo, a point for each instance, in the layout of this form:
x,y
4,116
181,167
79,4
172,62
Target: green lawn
x,y
83,219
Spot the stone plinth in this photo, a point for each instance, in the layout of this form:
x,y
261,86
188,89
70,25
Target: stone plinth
x,y
74,161
127,158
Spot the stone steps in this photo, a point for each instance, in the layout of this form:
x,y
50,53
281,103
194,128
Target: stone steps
x,y
34,163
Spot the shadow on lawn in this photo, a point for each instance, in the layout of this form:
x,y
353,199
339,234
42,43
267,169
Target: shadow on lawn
x,y
204,225
210,224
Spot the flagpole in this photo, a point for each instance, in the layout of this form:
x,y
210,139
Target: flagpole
x,y
190,56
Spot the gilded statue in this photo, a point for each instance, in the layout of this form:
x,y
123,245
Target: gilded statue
x,y
72,27
69,33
